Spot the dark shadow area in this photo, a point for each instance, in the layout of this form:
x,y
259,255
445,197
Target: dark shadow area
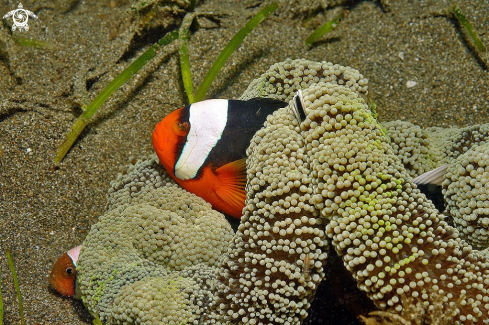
x,y
77,304
11,113
81,311
233,222
325,41
139,41
338,300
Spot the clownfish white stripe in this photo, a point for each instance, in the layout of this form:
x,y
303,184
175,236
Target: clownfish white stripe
x,y
207,122
74,253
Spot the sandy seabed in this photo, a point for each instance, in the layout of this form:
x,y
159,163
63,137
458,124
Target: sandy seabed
x,y
44,211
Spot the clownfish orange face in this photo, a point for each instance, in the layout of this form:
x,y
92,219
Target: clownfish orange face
x,y
63,274
203,147
168,136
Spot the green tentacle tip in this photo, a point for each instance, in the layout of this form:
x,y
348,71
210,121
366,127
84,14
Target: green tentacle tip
x,y
468,27
326,28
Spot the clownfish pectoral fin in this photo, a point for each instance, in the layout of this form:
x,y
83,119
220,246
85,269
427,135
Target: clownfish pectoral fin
x,y
232,180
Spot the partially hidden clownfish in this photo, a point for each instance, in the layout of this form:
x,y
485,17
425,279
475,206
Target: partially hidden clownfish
x,y
63,274
203,147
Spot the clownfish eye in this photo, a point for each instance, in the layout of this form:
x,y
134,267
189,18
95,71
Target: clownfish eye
x,y
181,129
70,270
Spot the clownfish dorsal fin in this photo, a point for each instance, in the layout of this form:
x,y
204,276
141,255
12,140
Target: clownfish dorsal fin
x,y
299,107
232,180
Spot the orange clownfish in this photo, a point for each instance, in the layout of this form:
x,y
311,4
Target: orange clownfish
x,y
63,274
203,147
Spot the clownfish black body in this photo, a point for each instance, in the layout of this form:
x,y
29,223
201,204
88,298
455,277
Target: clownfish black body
x,y
203,147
